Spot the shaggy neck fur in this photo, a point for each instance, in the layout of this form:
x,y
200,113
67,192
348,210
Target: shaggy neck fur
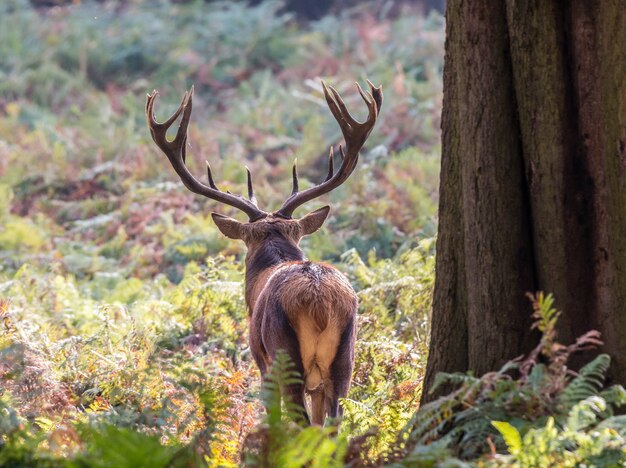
x,y
275,249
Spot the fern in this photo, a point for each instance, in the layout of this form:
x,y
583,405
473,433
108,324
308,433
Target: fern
x,y
281,374
314,447
615,395
454,380
510,435
617,423
585,413
541,416
278,442
587,383
435,454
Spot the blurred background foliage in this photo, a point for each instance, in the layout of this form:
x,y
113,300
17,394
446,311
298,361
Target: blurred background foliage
x,y
120,303
77,159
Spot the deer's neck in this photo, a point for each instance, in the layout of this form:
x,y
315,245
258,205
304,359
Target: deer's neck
x,y
259,265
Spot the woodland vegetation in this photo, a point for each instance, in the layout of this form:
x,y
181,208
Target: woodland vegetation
x,y
123,330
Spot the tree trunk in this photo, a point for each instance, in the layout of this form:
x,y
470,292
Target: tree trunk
x,y
533,179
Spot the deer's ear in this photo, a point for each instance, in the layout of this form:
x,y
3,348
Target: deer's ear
x,y
314,220
228,226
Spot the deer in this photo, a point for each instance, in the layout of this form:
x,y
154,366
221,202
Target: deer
x,y
305,309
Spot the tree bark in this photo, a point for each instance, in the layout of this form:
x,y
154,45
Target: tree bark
x,y
533,179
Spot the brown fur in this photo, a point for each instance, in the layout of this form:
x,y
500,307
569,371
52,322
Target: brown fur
x,y
319,303
319,291
255,286
254,233
305,308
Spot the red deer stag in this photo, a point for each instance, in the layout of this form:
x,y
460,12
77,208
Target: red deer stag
x,y
306,309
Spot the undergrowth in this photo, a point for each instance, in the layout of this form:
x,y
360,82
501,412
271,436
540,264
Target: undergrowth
x,y
534,411
172,363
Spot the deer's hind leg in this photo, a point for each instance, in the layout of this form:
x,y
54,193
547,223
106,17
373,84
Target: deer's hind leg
x,y
341,369
278,335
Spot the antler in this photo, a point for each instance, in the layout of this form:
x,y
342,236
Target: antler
x,y
175,151
354,133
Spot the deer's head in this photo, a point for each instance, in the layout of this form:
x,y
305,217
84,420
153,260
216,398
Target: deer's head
x,y
263,226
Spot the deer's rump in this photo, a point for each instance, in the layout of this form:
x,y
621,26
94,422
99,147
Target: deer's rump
x,y
308,309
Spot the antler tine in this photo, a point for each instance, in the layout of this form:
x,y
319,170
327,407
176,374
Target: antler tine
x,y
150,111
331,164
251,196
175,150
377,93
294,177
338,107
342,152
355,134
210,176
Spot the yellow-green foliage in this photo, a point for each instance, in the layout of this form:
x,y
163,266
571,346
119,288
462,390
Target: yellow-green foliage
x,y
21,235
145,353
17,234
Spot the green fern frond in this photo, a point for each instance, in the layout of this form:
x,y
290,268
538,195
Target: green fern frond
x,y
469,438
615,395
617,423
545,314
281,374
312,447
429,421
585,413
456,379
587,383
435,454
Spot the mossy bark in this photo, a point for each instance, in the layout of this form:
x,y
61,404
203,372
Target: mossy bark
x,y
533,179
